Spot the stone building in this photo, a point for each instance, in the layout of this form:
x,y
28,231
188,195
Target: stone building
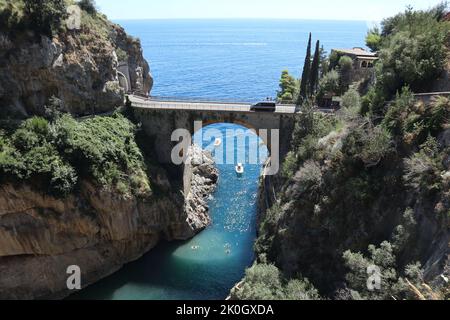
x,y
363,62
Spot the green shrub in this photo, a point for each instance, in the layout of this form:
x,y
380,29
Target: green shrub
x,y
265,282
345,72
64,178
424,169
122,55
397,111
367,143
10,16
351,104
54,109
329,84
377,143
289,88
89,6
309,177
289,165
101,149
393,284
32,133
374,39
45,16
414,51
439,115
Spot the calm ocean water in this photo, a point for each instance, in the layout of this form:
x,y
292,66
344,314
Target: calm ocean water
x,y
233,59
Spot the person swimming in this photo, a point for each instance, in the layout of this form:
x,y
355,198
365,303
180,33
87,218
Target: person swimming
x,y
227,249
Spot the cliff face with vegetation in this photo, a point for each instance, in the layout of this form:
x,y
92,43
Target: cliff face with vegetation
x,y
77,66
85,192
369,186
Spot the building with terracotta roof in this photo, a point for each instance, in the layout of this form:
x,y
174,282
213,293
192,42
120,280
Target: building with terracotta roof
x,y
363,62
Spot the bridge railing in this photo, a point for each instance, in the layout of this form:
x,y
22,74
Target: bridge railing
x,y
200,100
171,105
205,100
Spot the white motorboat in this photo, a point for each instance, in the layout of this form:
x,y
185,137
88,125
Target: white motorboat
x,y
240,169
217,142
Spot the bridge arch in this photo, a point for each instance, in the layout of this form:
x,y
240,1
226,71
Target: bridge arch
x,y
123,81
250,147
240,122
160,123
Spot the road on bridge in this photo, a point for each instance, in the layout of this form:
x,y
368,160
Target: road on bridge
x,y
154,103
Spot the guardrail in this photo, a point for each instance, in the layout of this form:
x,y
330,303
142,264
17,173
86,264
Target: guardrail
x,y
173,105
194,100
200,100
432,94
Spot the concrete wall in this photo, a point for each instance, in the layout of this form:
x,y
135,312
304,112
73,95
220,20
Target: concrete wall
x,y
160,124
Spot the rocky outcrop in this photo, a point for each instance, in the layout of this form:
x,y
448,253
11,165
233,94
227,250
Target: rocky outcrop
x,y
78,67
304,239
200,179
95,229
139,69
99,231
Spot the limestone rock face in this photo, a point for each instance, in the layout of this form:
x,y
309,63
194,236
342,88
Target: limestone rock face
x,y
200,179
140,75
99,231
73,67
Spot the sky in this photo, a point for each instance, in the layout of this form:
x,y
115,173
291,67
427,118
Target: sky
x,y
366,10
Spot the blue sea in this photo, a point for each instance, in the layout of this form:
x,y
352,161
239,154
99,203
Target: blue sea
x,y
220,59
233,59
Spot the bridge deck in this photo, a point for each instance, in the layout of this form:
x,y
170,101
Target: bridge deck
x,y
139,102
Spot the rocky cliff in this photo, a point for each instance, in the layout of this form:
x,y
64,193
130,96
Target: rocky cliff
x,y
95,227
97,230
200,179
79,67
305,229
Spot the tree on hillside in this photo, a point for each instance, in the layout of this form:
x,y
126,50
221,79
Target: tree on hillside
x,y
45,16
314,76
345,72
288,87
328,84
373,39
89,6
305,74
324,62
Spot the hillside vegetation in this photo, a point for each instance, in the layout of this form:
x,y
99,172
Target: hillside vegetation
x,y
59,153
369,187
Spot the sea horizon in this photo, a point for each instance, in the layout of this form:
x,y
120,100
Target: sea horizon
x,y
237,59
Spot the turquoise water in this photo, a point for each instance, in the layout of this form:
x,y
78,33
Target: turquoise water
x,y
209,265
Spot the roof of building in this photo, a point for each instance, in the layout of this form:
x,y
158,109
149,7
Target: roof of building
x,y
359,52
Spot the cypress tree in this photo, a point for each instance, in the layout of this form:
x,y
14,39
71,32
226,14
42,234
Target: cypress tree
x,y
305,74
314,77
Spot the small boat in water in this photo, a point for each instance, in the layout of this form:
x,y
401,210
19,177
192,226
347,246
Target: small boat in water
x,y
217,142
240,169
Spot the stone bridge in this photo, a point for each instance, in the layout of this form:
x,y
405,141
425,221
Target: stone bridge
x,y
160,118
